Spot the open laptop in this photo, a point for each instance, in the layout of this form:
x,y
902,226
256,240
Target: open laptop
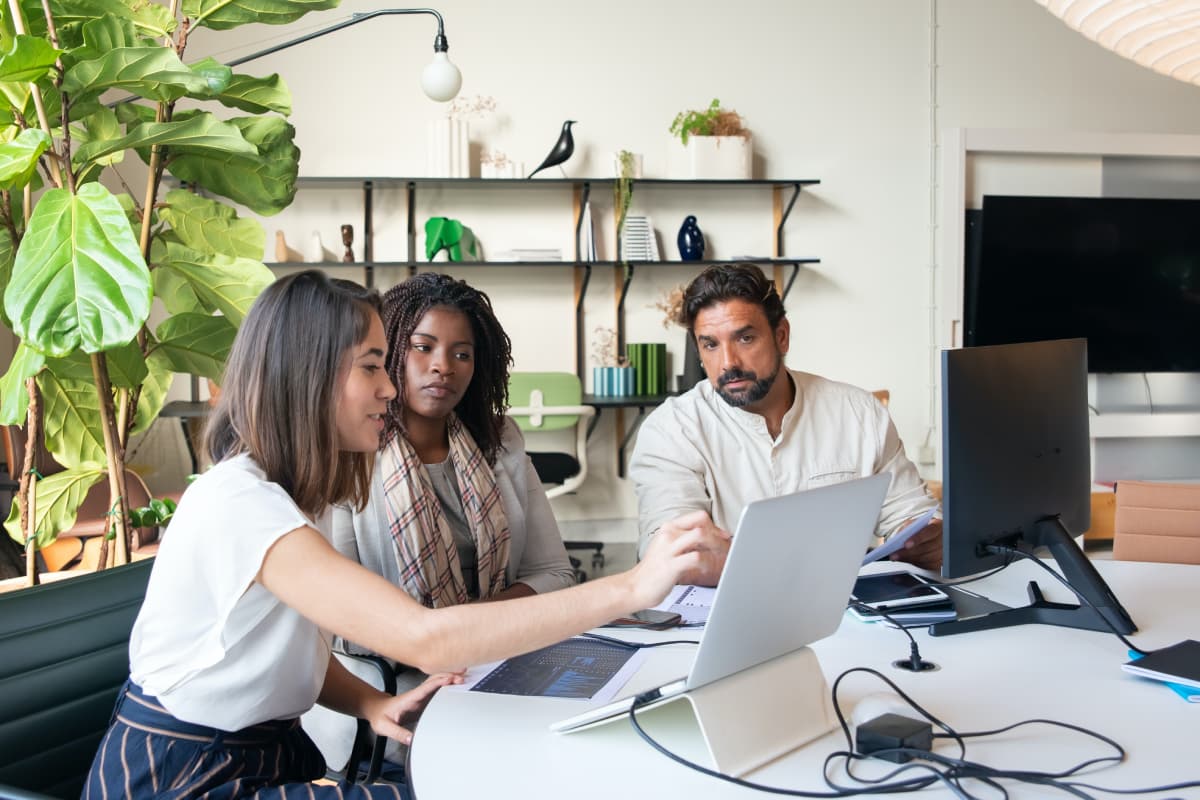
x,y
789,573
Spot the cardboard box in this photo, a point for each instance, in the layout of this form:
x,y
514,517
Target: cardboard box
x,y
1157,522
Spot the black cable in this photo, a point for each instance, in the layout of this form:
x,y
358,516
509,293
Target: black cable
x,y
915,662
634,645
948,771
999,548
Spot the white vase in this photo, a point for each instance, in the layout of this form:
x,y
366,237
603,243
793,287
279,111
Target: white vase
x,y
448,149
722,157
316,249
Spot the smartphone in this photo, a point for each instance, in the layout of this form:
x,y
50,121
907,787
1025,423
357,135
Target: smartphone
x,y
650,618
894,590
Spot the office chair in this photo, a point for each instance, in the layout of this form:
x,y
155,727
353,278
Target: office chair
x,y
1157,522
552,401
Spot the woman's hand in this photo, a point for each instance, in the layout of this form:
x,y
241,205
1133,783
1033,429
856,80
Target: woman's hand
x,y
389,714
688,549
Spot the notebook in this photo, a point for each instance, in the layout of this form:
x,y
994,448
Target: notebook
x,y
790,569
1178,664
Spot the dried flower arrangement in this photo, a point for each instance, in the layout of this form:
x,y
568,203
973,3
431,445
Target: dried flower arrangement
x,y
670,302
494,158
476,107
604,350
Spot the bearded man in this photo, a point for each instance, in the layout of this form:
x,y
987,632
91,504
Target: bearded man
x,y
755,429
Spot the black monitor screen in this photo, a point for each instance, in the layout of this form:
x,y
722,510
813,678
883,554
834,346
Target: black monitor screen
x,y
1016,474
1122,273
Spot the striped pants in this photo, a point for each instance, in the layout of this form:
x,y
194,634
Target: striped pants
x,y
149,753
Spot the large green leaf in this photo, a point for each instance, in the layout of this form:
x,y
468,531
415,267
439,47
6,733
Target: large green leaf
x,y
14,399
202,132
155,73
79,280
223,282
59,497
154,392
19,157
108,33
71,415
196,344
257,95
265,183
173,289
225,14
209,226
215,74
27,59
71,16
99,128
126,366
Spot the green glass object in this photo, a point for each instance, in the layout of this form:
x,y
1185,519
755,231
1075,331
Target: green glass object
x,y
650,363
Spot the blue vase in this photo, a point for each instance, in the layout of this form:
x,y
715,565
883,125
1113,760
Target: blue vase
x,y
691,240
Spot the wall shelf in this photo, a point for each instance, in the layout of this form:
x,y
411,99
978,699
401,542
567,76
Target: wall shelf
x,y
784,201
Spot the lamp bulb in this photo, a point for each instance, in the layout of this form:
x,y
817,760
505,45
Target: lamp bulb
x,y
441,80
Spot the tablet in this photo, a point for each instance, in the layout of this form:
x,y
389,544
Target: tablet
x,y
889,590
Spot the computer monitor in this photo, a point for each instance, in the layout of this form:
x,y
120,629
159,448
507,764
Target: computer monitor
x,y
1016,473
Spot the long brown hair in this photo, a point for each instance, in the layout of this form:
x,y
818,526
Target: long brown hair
x,y
482,406
279,394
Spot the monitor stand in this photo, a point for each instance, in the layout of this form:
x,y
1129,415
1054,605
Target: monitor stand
x,y
1079,573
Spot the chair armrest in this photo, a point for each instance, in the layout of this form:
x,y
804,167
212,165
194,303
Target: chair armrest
x,y
365,737
13,793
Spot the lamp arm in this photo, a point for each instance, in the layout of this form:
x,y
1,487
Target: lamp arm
x,y
440,45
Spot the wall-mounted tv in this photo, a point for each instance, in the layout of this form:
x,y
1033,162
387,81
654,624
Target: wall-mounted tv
x,y
1123,273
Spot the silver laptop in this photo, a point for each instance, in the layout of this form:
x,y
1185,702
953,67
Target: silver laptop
x,y
789,574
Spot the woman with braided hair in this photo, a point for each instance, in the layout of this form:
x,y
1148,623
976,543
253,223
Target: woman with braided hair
x,y
456,512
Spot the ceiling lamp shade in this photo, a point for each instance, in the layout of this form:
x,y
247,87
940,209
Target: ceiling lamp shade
x,y
1163,35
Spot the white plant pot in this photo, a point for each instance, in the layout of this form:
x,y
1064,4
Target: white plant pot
x,y
720,157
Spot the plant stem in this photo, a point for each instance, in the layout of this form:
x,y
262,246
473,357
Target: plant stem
x,y
28,486
116,458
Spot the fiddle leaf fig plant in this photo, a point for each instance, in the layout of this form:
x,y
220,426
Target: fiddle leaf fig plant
x,y
88,84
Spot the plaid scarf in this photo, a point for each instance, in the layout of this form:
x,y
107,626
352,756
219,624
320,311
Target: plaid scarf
x,y
423,544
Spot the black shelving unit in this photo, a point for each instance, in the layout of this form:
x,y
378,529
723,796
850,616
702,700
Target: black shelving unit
x,y
582,189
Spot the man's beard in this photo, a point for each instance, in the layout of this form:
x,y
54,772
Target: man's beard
x,y
757,391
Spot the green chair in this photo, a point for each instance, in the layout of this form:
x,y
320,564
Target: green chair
x,y
66,656
552,401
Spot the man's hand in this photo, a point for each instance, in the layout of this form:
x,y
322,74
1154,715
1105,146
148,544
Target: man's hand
x,y
712,558
388,714
924,549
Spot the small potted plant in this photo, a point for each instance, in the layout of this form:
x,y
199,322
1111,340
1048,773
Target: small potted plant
x,y
717,142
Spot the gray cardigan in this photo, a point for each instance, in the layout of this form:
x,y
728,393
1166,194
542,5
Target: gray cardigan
x,y
537,557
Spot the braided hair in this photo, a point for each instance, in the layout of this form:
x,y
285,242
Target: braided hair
x,y
482,406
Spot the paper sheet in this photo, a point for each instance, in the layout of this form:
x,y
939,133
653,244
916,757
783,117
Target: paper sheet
x,y
897,540
692,603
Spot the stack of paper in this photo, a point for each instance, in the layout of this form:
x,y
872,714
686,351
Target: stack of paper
x,y
527,254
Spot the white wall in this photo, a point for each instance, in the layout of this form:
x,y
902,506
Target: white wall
x,y
837,90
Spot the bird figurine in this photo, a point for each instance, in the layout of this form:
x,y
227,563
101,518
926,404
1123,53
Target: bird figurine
x,y
561,151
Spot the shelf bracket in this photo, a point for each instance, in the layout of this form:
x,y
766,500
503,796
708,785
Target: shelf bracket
x,y
586,191
579,333
621,306
791,279
783,221
412,228
368,236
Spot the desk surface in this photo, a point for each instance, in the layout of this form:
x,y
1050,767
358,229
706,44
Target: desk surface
x,y
469,742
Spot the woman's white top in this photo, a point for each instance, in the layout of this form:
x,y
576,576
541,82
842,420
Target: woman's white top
x,y
212,644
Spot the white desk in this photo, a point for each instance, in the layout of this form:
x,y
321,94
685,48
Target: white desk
x,y
471,744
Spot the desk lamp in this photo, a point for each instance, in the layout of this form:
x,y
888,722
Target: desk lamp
x,y
440,79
